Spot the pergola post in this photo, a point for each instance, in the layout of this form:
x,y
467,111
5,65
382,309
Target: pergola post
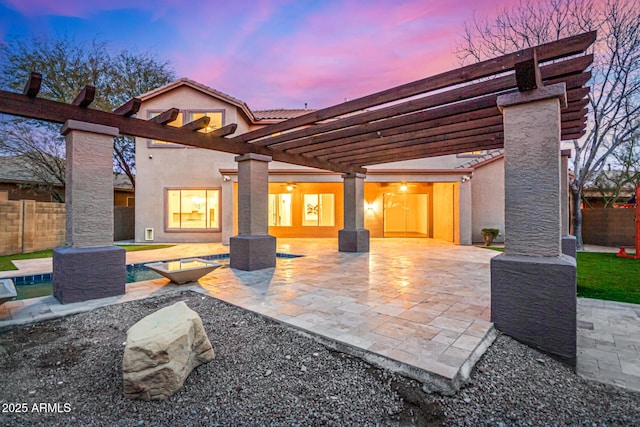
x,y
568,242
253,248
533,285
89,266
353,237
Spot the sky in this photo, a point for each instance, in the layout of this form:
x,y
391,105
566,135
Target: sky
x,y
269,53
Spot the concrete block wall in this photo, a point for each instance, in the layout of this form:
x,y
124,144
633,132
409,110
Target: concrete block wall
x,y
50,226
29,226
10,227
608,227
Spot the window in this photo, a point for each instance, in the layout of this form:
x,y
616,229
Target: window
x,y
319,210
280,210
176,123
214,123
193,209
187,116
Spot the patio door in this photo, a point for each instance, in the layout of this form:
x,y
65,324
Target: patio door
x,y
406,215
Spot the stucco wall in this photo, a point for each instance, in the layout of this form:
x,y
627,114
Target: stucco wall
x,y
487,195
159,168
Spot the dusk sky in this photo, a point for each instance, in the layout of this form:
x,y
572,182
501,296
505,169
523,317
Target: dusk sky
x,y
271,53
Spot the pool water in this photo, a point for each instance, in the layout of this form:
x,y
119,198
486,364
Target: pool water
x,y
41,285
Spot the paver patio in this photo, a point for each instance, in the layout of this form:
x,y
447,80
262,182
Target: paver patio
x,y
416,306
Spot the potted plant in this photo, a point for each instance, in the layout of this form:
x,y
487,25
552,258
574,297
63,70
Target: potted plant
x,y
489,234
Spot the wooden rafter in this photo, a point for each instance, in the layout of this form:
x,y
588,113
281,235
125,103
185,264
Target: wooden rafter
x,y
197,124
129,108
32,88
85,97
546,52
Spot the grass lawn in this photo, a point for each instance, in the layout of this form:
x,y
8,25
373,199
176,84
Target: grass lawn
x,y
6,264
606,276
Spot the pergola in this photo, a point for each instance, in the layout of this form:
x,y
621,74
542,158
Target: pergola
x,y
526,102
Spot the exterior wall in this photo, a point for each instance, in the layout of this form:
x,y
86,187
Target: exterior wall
x,y
160,168
124,198
608,227
29,226
487,195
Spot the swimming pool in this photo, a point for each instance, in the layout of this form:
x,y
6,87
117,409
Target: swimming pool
x,y
40,285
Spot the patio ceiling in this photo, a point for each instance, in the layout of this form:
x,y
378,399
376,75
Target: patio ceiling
x,y
449,113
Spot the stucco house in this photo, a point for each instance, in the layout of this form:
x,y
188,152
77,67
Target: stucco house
x,y
188,194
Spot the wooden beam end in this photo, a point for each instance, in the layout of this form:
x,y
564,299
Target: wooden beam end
x,y
33,85
85,97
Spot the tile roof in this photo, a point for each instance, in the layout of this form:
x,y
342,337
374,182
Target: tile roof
x,y
279,113
477,161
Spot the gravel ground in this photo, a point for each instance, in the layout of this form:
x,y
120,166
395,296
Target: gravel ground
x,y
266,374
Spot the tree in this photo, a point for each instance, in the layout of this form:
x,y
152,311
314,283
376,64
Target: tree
x,y
615,85
66,67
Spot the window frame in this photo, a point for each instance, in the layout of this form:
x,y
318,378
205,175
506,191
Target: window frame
x,y
185,115
165,213
333,195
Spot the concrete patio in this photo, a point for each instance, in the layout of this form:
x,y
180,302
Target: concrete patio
x,y
416,306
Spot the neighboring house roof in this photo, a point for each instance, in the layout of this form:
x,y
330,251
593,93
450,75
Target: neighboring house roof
x,y
490,156
16,169
255,117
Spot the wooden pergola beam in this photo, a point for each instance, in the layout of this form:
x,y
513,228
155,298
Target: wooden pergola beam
x,y
546,52
59,112
32,88
224,130
85,97
341,126
527,71
129,108
480,142
392,150
197,124
166,116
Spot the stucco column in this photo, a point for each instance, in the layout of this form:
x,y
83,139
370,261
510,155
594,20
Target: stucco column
x,y
253,248
533,286
464,208
353,237
89,266
568,242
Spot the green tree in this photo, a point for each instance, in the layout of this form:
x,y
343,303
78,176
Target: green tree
x,y
615,85
66,67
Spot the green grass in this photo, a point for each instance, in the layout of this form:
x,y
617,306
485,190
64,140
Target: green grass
x,y
6,263
606,276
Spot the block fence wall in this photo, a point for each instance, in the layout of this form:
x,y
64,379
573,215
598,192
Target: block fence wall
x,y
608,227
29,226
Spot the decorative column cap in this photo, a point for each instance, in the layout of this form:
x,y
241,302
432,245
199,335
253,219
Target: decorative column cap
x,y
558,90
70,125
565,153
354,175
252,156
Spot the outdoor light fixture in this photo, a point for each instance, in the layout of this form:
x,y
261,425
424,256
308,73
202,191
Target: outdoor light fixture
x,y
290,187
403,187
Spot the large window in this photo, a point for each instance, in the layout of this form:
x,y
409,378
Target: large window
x,y
193,209
216,122
319,210
280,210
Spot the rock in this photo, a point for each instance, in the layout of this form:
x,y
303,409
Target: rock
x,y
161,351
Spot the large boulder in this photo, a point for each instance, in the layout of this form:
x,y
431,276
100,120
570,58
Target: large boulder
x,y
161,351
